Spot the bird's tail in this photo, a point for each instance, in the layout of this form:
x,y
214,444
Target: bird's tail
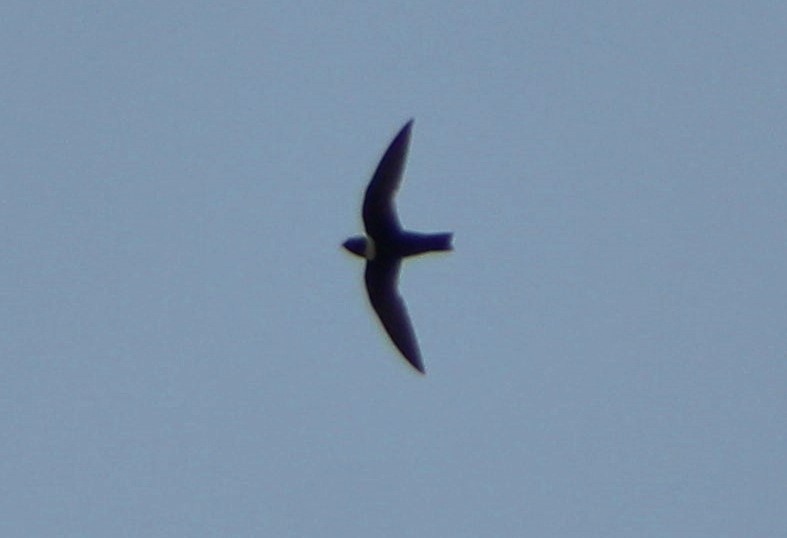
x,y
417,243
441,242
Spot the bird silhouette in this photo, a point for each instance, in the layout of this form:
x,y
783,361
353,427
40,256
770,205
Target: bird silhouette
x,y
385,245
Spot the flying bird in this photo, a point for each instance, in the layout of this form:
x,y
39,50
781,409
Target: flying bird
x,y
385,245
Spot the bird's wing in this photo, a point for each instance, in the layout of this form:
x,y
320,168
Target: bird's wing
x,y
381,283
379,211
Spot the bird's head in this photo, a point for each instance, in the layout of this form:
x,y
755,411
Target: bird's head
x,y
360,246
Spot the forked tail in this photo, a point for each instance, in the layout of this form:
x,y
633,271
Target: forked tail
x,y
417,243
442,242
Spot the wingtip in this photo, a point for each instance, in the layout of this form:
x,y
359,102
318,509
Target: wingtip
x,y
406,132
417,364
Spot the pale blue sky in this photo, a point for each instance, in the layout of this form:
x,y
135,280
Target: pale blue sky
x,y
186,351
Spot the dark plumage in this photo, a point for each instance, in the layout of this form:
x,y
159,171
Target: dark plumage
x,y
387,243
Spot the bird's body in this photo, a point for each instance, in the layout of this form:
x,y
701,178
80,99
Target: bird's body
x,y
387,243
405,245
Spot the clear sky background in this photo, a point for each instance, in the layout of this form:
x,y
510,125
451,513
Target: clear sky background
x,y
185,350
